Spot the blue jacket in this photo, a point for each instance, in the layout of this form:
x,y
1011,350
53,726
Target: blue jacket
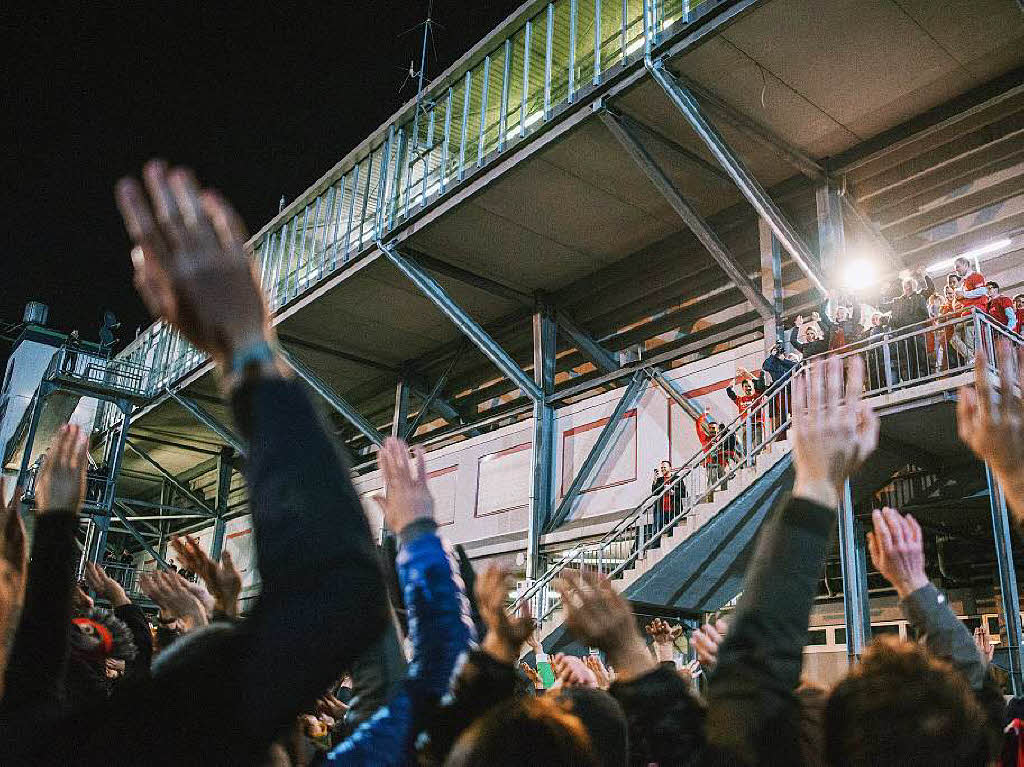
x,y
440,631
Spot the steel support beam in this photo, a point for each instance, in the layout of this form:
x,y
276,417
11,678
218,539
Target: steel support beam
x,y
346,410
467,277
871,229
98,548
118,509
204,416
771,284
543,451
695,159
224,471
749,186
602,359
696,223
689,405
600,451
171,443
1007,581
401,415
171,478
347,356
430,288
855,599
801,161
831,232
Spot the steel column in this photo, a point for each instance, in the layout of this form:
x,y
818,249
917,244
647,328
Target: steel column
x,y
346,410
741,175
600,451
206,418
430,288
696,223
1007,580
224,471
831,233
771,284
37,410
101,526
854,599
401,414
543,450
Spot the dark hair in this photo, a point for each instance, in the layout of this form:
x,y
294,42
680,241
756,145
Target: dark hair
x,y
1018,297
901,706
992,284
525,731
951,277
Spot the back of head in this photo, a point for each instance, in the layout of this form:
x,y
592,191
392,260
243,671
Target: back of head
x,y
902,706
604,720
525,731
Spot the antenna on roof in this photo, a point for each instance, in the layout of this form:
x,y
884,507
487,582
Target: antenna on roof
x,y
420,75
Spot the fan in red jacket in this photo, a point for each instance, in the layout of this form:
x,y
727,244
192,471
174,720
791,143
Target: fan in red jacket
x,y
972,291
1000,308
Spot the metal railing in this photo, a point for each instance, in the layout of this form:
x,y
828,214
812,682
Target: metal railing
x,y
901,358
97,371
474,113
98,487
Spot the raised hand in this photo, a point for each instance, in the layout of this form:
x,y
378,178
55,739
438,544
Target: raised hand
x,y
223,581
983,641
405,483
599,617
604,677
990,420
60,486
531,673
171,594
191,267
706,641
105,586
505,634
832,434
571,671
331,706
13,557
897,550
664,637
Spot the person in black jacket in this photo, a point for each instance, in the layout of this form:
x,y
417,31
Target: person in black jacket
x,y
321,601
910,309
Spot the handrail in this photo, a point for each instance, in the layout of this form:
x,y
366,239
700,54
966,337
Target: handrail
x,y
903,364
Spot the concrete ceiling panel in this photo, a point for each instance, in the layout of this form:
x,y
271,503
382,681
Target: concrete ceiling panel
x,y
848,57
973,31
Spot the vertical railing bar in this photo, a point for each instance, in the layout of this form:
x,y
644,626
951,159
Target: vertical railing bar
x,y
572,50
547,60
597,42
429,153
483,112
301,254
503,117
382,184
526,78
366,201
395,193
351,209
467,93
339,201
316,225
288,261
442,179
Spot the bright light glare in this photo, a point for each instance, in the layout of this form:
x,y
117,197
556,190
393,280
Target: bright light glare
x,y
859,274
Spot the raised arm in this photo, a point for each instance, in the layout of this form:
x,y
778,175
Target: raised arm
x,y
38,661
897,551
439,626
752,713
990,418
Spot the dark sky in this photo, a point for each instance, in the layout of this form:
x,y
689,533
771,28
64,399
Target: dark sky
x,y
260,98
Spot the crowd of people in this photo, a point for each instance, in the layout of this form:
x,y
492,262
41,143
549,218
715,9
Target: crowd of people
x,y
416,659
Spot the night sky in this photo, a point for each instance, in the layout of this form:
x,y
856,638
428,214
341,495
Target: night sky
x,y
261,99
